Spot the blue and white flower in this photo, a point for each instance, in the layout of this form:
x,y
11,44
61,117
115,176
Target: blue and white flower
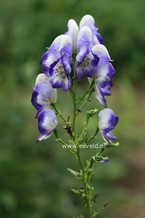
x,y
47,122
89,21
107,122
95,64
103,83
43,93
86,60
103,75
93,59
57,61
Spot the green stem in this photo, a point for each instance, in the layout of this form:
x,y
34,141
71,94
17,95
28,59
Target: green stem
x,y
101,151
86,93
87,191
74,105
85,184
57,138
58,112
93,136
87,96
84,131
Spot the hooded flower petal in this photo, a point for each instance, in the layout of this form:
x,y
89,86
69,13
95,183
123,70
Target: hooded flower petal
x,y
102,53
57,62
61,44
47,122
107,122
51,55
83,43
90,58
89,21
73,31
43,93
103,73
86,62
103,83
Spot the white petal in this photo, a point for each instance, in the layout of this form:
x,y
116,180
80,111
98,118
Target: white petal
x,y
48,124
42,100
65,41
50,59
101,73
46,91
57,42
99,96
85,34
104,117
101,51
43,137
87,20
73,31
40,79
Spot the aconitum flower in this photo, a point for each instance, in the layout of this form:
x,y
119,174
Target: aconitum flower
x,y
83,39
89,21
103,75
86,21
57,61
91,53
47,122
107,122
93,59
86,60
103,83
43,93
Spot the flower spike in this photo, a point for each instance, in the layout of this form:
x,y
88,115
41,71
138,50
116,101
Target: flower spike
x,y
81,49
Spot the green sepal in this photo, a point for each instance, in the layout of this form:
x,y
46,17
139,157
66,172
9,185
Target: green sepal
x,y
75,173
76,191
101,159
92,112
79,191
116,144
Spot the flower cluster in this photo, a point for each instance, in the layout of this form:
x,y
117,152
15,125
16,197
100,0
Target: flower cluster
x,y
81,48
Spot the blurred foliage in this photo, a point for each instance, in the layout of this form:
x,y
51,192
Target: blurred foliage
x,y
28,27
34,181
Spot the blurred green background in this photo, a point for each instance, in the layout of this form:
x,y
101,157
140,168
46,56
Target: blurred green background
x,y
34,182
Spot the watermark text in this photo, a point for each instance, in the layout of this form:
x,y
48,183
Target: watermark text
x,y
83,146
